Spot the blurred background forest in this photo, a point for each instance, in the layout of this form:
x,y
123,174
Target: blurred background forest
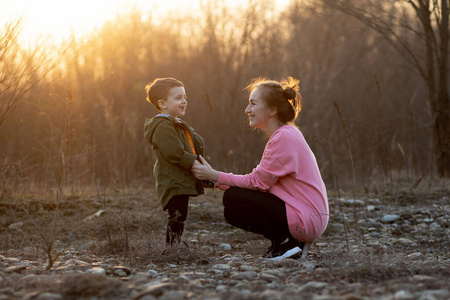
x,y
75,113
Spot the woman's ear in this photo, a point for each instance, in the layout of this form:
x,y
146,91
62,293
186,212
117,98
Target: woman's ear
x,y
273,111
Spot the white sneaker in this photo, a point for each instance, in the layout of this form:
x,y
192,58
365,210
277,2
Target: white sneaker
x,y
287,254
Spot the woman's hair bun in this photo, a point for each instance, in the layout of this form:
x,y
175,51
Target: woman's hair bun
x,y
289,93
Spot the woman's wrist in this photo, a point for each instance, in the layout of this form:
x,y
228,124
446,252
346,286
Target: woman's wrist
x,y
215,175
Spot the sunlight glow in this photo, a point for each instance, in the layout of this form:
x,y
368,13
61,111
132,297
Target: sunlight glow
x,y
57,20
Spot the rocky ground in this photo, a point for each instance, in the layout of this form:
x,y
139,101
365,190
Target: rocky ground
x,y
109,246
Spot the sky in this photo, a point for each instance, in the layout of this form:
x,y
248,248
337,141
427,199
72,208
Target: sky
x,y
56,19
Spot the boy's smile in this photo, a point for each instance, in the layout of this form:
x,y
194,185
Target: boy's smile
x,y
176,103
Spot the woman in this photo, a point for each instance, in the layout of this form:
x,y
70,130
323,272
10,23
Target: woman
x,y
284,197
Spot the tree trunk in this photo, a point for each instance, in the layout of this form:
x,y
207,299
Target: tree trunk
x,y
436,78
441,137
441,126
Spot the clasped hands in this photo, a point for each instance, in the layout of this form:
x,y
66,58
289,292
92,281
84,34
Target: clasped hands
x,y
203,171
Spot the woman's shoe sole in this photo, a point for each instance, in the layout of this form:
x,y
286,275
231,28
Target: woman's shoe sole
x,y
287,254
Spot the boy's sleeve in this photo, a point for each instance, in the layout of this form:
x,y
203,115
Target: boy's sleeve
x,y
169,144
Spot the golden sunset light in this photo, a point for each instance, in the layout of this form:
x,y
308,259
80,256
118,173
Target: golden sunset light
x,y
57,20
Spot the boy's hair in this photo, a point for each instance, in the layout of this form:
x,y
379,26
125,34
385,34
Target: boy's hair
x,y
159,89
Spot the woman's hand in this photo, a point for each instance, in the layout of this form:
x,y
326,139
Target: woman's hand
x,y
204,171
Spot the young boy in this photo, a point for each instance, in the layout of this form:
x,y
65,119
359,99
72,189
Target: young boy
x,y
176,146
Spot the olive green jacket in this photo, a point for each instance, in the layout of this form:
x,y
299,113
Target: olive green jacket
x,y
174,157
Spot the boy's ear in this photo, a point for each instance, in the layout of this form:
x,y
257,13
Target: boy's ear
x,y
161,103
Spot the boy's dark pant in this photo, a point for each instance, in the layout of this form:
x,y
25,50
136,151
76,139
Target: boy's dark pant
x,y
256,211
178,209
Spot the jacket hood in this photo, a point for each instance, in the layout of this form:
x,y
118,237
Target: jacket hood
x,y
151,124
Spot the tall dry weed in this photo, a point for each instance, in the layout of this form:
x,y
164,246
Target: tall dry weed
x,y
352,164
60,179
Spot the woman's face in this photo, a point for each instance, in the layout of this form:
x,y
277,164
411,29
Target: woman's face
x,y
257,110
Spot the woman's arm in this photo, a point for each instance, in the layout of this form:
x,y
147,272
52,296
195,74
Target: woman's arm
x,y
274,164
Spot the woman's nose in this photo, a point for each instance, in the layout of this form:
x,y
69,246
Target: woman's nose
x,y
247,110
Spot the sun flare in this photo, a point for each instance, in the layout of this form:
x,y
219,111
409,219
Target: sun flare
x,y
57,20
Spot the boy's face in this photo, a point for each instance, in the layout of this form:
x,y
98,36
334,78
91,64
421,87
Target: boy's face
x,y
175,104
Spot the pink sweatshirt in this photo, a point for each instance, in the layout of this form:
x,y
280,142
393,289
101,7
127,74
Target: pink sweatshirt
x,y
288,169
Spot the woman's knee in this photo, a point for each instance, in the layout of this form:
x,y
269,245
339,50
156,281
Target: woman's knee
x,y
234,203
235,214
231,196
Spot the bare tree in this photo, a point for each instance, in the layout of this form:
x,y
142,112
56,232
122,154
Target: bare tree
x,y
20,69
419,31
8,81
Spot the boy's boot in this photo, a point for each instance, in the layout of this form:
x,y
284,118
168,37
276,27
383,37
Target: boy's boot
x,y
174,232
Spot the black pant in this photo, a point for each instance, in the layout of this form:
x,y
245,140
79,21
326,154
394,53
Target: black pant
x,y
178,210
258,212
